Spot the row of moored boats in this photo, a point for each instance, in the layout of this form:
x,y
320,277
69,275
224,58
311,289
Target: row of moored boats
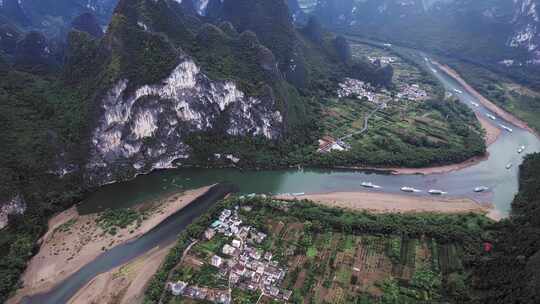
x,y
414,190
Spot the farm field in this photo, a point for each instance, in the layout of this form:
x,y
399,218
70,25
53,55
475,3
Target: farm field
x,y
336,256
403,128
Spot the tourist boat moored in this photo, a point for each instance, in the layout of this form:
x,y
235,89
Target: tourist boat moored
x,y
506,128
410,189
509,165
436,192
458,91
370,185
475,104
481,189
491,116
521,149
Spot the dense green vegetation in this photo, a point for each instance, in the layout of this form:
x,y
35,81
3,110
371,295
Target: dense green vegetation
x,y
110,220
427,254
509,274
429,132
40,119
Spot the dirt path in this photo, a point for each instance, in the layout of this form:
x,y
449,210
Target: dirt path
x,y
394,203
73,241
125,284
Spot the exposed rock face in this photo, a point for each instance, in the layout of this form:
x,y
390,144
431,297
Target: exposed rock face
x,y
15,205
145,130
526,34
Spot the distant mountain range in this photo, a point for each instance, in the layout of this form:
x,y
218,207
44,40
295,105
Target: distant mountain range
x,y
503,34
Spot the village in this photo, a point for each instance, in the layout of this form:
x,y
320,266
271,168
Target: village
x,y
351,88
239,261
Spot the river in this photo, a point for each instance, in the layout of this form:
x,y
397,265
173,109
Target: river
x,y
492,172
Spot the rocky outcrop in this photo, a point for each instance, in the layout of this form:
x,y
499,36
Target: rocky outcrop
x,y
145,130
15,205
526,32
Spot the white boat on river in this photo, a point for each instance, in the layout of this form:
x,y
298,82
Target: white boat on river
x,y
410,190
491,116
370,185
506,128
437,192
521,149
481,189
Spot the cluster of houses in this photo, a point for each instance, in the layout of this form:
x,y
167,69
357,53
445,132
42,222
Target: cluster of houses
x,y
200,293
355,88
411,92
382,60
245,266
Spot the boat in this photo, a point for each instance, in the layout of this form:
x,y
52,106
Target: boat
x,y
409,189
436,192
433,70
298,193
475,104
509,165
491,116
370,185
506,128
521,149
481,189
458,91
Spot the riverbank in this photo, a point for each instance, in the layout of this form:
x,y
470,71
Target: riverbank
x,y
491,136
483,100
125,284
74,240
376,202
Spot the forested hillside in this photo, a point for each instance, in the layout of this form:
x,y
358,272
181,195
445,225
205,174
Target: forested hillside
x,y
510,273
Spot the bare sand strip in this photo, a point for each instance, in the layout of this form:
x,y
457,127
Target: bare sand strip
x,y
483,100
125,284
74,240
393,203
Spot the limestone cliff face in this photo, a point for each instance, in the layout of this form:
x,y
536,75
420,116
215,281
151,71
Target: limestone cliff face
x,y
526,34
145,129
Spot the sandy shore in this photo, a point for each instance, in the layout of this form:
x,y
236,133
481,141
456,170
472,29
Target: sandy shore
x,y
394,203
484,101
74,240
125,284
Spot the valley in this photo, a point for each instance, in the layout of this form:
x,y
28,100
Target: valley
x,y
458,184
268,151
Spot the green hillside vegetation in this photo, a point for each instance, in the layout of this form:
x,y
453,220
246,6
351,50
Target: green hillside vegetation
x,y
509,274
404,135
338,256
39,118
